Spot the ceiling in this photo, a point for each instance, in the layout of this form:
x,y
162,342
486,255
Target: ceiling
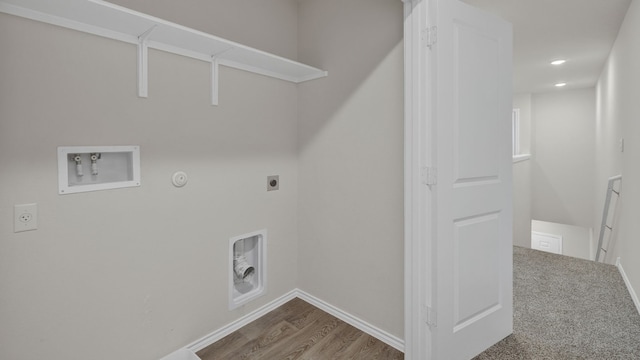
x,y
580,31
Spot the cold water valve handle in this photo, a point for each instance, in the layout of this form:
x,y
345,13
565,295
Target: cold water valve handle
x,y
78,161
94,163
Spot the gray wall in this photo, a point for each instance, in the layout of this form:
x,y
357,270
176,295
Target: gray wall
x,y
351,158
563,161
618,109
137,273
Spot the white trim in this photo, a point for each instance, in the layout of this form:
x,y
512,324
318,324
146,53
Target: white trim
x,y
515,132
592,246
632,292
521,157
182,354
354,321
359,324
417,155
237,324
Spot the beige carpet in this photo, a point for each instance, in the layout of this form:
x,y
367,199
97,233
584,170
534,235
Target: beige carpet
x,y
568,308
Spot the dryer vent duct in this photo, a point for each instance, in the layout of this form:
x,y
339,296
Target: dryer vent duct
x,y
243,271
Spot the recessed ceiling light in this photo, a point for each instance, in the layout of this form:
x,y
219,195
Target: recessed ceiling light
x,y
561,84
558,62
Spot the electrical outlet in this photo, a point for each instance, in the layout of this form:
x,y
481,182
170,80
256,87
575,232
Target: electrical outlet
x,y
273,182
25,217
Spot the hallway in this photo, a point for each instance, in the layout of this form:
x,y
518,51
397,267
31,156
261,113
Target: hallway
x,y
568,308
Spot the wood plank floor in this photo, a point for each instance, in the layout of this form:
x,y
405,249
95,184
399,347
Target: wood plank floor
x,y
298,330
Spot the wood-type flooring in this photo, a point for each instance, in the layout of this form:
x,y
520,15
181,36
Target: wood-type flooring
x,y
298,330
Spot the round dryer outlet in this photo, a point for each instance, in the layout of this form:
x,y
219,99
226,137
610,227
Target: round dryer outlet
x,y
179,179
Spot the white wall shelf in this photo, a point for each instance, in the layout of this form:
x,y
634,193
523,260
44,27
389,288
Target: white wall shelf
x,y
105,19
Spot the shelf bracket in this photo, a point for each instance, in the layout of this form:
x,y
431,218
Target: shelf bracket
x,y
214,75
214,80
143,63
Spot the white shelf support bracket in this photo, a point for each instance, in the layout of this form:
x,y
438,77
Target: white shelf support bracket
x,y
214,75
143,63
214,80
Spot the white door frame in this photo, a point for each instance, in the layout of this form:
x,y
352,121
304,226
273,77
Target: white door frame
x,y
417,239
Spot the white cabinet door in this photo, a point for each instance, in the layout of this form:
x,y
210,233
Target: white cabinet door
x,y
472,60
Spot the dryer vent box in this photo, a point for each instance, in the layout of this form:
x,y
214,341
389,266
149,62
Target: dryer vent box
x,y
247,267
91,168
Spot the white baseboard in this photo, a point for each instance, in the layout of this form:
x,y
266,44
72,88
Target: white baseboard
x,y
592,246
338,313
235,325
182,354
634,296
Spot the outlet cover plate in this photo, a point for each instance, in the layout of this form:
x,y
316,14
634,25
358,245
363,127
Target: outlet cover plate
x,y
273,182
25,217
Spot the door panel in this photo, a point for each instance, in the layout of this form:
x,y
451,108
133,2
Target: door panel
x,y
476,271
476,97
473,201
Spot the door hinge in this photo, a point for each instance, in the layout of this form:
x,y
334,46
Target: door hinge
x,y
429,175
430,317
430,36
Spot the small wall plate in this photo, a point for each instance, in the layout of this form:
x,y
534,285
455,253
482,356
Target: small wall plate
x,y
179,179
273,182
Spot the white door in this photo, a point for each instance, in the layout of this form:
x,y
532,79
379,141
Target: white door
x,y
473,197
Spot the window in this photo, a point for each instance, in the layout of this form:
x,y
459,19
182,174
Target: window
x,y
515,135
515,138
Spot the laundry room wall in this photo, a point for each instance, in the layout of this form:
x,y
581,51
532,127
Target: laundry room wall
x,y
137,273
